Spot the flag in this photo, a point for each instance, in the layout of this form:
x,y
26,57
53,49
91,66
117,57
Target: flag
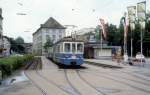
x,y
103,28
141,11
125,24
131,16
131,13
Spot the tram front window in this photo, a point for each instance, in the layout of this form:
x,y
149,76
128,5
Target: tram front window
x,y
67,47
73,47
79,47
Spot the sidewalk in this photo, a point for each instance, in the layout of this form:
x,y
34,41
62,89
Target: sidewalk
x,y
104,63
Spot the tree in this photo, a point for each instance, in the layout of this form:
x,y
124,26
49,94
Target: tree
x,y
111,34
48,44
17,45
19,40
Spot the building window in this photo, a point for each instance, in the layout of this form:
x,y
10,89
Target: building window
x,y
54,31
47,37
60,36
54,37
47,31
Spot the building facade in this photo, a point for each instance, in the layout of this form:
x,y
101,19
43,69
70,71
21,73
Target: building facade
x,y
6,45
1,29
52,30
93,47
28,48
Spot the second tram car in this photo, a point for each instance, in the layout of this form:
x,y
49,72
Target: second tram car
x,y
67,52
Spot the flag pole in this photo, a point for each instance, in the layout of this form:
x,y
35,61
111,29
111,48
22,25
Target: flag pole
x,y
101,40
141,44
125,35
131,43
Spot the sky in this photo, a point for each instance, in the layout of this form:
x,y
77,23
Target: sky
x,y
82,13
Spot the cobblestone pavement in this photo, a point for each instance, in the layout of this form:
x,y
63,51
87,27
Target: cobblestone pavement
x,y
90,80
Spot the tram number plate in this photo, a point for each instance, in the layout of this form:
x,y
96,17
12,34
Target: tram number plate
x,y
73,57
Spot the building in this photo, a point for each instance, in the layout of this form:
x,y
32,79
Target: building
x,y
28,48
70,29
85,30
93,48
98,50
6,45
51,29
1,30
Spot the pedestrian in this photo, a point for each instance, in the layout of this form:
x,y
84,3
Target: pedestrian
x,y
113,53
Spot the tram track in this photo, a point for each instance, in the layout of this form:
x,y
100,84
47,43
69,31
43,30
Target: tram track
x,y
38,87
133,75
35,71
137,76
66,77
113,78
51,82
79,84
89,83
34,66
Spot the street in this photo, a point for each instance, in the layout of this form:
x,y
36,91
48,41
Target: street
x,y
89,80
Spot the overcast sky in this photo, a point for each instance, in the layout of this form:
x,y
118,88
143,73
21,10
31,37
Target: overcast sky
x,y
82,13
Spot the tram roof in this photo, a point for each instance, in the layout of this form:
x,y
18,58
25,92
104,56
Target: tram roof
x,y
69,39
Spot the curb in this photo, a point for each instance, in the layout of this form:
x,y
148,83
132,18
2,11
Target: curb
x,y
103,65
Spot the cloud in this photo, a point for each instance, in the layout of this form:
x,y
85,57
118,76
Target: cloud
x,y
74,12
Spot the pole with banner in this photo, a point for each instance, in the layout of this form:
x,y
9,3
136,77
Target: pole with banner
x,y
132,18
103,31
141,14
125,24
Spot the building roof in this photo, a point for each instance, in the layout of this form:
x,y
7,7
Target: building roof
x,y
98,45
8,38
52,23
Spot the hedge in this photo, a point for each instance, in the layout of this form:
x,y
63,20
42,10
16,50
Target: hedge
x,y
10,64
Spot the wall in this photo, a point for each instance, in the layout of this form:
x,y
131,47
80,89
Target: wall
x,y
39,38
104,53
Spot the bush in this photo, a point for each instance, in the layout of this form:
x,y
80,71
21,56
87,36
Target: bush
x,y
10,64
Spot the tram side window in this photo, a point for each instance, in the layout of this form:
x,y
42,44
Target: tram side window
x,y
73,47
79,47
67,47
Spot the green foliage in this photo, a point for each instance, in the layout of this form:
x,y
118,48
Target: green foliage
x,y
111,35
148,21
97,31
19,40
17,45
48,44
10,64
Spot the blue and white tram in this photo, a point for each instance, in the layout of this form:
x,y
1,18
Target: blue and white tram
x,y
67,52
